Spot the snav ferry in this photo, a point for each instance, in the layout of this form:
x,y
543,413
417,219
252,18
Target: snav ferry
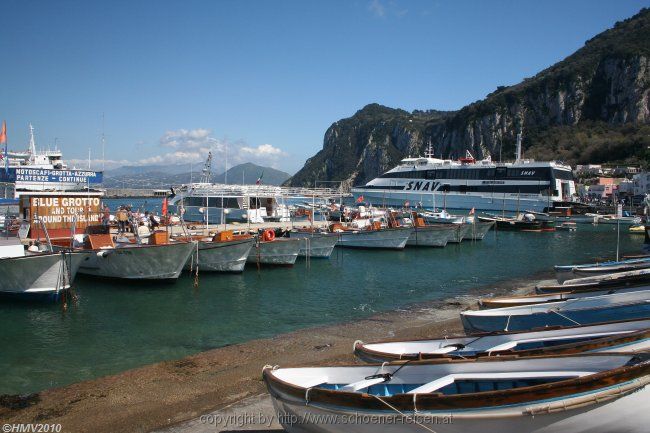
x,y
467,183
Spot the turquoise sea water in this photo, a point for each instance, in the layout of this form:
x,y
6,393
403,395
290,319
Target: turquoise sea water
x,y
117,325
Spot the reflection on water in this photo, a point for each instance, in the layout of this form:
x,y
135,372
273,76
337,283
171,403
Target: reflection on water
x,y
118,325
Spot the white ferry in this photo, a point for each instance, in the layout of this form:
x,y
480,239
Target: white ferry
x,y
42,170
467,183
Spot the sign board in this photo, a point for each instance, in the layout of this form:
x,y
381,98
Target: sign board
x,y
58,212
49,175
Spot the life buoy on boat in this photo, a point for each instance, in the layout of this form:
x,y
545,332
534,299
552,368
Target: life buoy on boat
x,y
269,235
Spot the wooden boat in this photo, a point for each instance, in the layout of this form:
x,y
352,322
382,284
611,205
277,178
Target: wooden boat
x,y
598,393
429,235
315,244
567,272
372,236
275,251
160,258
224,252
477,230
638,278
623,336
513,224
580,311
515,301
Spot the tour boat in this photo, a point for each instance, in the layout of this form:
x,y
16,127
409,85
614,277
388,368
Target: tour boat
x,y
596,393
387,238
579,311
477,230
314,243
623,336
432,235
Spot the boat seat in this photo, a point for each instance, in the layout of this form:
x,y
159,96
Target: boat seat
x,y
362,384
441,382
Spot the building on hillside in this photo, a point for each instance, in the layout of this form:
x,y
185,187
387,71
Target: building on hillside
x,y
641,183
588,170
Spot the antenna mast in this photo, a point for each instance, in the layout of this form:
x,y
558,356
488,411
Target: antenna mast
x,y
429,152
207,169
103,144
32,144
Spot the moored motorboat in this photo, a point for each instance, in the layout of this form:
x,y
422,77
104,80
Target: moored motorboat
x,y
224,252
579,311
433,235
623,336
477,230
129,259
513,224
386,238
275,251
315,244
599,393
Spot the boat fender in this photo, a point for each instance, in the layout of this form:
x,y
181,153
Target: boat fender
x,y
269,235
354,345
102,254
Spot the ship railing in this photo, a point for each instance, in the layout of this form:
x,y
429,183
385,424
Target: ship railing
x,y
203,189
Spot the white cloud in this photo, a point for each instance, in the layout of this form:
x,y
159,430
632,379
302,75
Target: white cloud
x,y
187,139
97,164
377,8
192,146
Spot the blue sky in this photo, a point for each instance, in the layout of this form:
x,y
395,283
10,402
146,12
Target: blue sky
x,y
261,80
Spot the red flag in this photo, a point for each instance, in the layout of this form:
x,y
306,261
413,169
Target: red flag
x,y
471,212
164,207
360,199
407,203
3,132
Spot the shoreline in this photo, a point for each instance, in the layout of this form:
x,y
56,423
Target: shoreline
x,y
169,393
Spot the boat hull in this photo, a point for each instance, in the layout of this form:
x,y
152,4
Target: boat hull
x,y
395,239
280,252
222,256
478,230
318,245
141,262
431,236
39,277
479,324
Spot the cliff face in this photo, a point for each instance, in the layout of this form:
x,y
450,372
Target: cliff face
x,y
593,104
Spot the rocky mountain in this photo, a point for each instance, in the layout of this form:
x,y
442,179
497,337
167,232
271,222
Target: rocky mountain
x,y
593,106
163,176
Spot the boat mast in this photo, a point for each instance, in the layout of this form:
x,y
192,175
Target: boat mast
x,y
32,144
103,144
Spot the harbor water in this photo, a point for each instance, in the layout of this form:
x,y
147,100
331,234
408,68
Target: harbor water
x,y
119,325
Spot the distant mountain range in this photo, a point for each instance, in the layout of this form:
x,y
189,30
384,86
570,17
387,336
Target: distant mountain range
x,y
592,107
163,176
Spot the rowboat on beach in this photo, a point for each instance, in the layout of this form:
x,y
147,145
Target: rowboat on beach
x,y
567,272
515,301
599,393
600,282
314,243
623,336
580,311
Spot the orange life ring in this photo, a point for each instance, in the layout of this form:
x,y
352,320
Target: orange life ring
x,y
269,235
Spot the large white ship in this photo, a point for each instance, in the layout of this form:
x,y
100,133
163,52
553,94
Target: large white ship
x,y
41,170
467,183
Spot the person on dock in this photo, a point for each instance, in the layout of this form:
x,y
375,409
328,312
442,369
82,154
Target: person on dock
x,y
106,218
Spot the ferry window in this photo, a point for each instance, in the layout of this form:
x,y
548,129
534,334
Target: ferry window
x,y
462,189
431,174
500,172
